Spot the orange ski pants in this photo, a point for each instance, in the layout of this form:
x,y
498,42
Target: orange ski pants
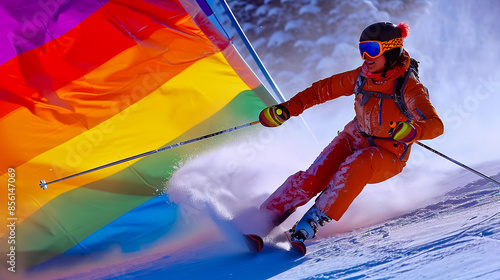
x,y
339,173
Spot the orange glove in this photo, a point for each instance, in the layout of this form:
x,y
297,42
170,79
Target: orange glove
x,y
274,116
403,131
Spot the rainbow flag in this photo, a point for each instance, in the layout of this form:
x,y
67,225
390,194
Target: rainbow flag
x,y
84,83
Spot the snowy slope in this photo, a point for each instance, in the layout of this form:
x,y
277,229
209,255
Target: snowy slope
x,y
456,237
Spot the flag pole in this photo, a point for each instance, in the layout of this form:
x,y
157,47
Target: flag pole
x,y
252,51
255,56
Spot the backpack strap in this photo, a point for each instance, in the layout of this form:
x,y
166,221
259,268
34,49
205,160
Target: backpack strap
x,y
399,87
397,94
367,94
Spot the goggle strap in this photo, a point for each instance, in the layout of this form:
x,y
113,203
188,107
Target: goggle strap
x,y
392,44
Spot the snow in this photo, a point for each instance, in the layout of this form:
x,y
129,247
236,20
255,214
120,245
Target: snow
x,y
294,24
250,27
433,221
274,11
326,40
325,63
304,44
261,11
259,42
309,9
279,38
456,236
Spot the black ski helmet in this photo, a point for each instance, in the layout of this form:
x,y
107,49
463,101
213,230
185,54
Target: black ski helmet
x,y
385,31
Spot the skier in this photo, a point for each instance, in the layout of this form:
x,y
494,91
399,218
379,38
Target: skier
x,y
372,148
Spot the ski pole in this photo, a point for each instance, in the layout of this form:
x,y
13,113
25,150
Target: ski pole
x,y
459,163
44,184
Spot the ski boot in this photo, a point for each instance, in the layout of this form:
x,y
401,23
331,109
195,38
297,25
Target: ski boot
x,y
307,227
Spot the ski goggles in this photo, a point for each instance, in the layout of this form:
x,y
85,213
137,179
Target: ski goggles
x,y
374,49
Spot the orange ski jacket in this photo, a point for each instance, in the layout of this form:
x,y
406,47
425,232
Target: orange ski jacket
x,y
373,118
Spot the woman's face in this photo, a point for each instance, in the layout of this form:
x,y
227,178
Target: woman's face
x,y
376,65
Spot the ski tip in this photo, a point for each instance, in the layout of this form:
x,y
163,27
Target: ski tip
x,y
254,242
299,247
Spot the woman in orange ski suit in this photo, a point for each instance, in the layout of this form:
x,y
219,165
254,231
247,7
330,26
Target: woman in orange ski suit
x,y
364,152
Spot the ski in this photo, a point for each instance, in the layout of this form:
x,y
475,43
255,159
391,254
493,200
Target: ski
x,y
298,247
254,242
